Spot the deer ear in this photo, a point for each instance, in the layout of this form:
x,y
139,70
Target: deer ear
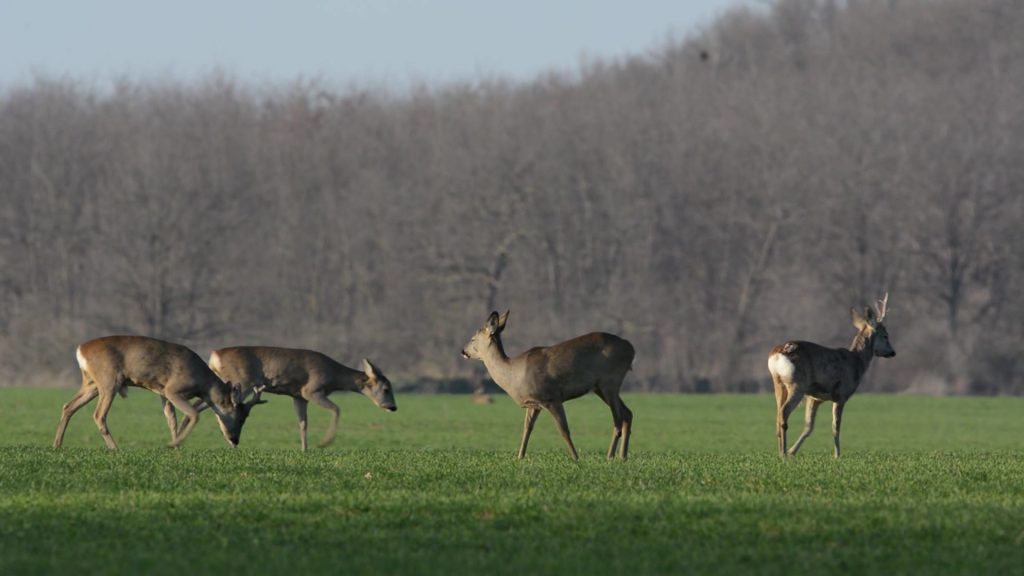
x,y
859,322
236,395
492,323
368,368
502,320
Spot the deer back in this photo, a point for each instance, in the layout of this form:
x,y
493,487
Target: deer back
x,y
824,372
281,370
574,366
148,363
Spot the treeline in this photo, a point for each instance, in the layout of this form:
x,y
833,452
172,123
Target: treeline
x,y
729,190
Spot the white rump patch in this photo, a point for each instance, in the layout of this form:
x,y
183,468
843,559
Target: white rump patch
x,y
81,359
215,362
782,367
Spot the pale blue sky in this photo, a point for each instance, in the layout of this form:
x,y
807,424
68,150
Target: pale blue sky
x,y
386,42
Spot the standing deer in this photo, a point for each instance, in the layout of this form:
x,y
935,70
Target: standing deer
x,y
305,375
546,377
171,370
803,368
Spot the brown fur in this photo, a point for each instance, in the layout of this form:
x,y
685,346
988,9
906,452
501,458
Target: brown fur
x,y
800,368
305,375
171,370
546,377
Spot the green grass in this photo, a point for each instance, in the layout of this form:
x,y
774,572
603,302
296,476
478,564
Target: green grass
x,y
925,486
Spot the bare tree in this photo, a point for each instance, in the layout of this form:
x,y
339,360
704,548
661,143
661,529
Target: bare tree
x,y
702,198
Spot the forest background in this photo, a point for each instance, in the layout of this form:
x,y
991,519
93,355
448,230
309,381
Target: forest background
x,y
726,191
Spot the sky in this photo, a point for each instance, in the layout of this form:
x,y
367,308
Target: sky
x,y
389,42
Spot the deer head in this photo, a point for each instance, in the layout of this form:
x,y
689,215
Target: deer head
x,y
870,325
232,414
485,336
378,387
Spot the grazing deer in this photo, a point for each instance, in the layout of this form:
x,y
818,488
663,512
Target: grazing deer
x,y
482,398
803,368
305,375
546,377
171,370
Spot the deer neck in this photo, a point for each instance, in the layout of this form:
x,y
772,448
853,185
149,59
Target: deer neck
x,y
217,396
345,379
354,382
498,364
863,347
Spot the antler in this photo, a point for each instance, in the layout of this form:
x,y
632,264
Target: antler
x,y
882,306
256,396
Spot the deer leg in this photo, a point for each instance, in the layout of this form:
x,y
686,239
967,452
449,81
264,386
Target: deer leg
x,y
81,398
809,414
171,416
614,404
791,403
321,400
837,420
300,410
199,406
100,417
781,395
529,420
187,423
558,412
627,428
613,447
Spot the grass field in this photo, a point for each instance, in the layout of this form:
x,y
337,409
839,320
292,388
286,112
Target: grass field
x,y
925,486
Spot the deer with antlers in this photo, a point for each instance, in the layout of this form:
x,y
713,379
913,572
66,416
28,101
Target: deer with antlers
x,y
176,373
305,375
801,369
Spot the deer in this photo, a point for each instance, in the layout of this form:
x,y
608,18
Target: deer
x,y
177,374
305,375
801,369
481,398
547,377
